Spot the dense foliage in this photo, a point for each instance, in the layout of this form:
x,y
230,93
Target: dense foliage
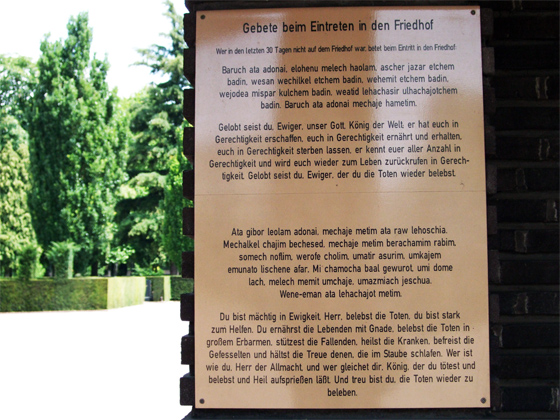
x,y
16,230
83,168
156,121
174,242
78,140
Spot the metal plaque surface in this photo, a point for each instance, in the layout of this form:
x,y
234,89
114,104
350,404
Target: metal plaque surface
x,y
341,257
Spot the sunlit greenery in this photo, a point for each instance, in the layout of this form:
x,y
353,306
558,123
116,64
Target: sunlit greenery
x,y
79,165
16,229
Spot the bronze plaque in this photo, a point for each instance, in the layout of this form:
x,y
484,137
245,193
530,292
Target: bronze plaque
x,y
341,257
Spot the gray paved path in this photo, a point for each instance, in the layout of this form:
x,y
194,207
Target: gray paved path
x,y
113,364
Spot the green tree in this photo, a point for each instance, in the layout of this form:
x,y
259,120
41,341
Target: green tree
x,y
78,137
156,113
17,77
16,229
174,242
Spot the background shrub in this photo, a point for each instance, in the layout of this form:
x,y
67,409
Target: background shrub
x,y
161,288
179,286
61,256
29,266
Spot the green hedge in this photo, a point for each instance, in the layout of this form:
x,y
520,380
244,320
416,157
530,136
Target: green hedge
x,y
169,287
125,291
161,288
179,286
73,294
